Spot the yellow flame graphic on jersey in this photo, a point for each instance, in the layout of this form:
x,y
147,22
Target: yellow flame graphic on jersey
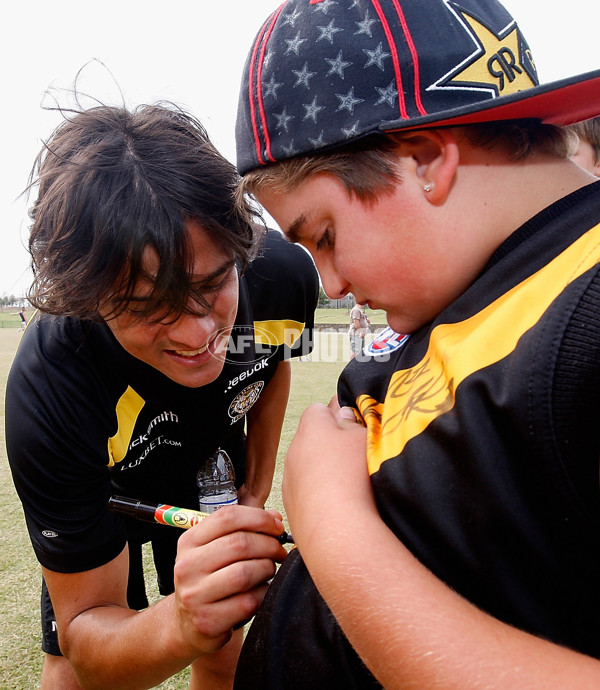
x,y
417,396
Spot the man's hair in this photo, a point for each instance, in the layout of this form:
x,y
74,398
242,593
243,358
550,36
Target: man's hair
x,y
589,131
113,183
368,167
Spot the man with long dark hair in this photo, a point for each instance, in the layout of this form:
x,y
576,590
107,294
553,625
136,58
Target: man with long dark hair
x,y
165,321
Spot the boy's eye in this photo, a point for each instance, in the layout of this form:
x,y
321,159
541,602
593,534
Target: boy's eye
x,y
326,240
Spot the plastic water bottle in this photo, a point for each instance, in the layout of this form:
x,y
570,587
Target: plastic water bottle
x,y
216,482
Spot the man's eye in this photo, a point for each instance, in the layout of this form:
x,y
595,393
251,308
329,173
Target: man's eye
x,y
214,287
135,306
217,284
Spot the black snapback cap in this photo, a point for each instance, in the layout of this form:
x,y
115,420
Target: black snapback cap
x,y
322,73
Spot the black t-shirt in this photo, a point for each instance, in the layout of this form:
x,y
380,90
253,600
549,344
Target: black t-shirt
x,y
84,419
483,453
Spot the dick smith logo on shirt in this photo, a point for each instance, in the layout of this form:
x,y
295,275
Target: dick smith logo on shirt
x,y
150,440
166,416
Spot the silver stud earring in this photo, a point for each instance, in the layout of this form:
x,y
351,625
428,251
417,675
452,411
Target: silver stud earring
x,y
428,187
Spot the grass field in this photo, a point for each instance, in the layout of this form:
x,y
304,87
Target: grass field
x,y
324,316
9,317
20,655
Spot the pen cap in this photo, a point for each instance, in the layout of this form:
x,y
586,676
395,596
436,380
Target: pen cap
x,y
132,507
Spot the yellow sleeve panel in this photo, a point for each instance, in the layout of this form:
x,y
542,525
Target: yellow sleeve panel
x,y
280,332
128,408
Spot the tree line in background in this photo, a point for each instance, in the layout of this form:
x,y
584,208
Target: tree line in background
x,y
326,302
12,301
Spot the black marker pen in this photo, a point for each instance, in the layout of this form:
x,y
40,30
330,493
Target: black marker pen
x,y
167,515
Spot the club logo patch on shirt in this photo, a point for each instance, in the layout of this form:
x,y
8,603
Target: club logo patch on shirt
x,y
244,400
386,342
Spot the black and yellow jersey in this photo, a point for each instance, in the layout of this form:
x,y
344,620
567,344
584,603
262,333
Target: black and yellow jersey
x,y
483,451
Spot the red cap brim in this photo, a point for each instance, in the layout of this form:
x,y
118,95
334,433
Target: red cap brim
x,y
562,102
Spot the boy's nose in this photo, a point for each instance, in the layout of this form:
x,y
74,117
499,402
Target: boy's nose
x,y
335,286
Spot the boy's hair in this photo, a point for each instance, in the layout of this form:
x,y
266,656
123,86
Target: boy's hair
x,y
589,131
114,182
368,167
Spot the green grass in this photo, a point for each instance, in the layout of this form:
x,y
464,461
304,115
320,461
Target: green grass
x,y
8,319
20,654
19,572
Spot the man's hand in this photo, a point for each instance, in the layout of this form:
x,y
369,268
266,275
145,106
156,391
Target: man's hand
x,y
221,572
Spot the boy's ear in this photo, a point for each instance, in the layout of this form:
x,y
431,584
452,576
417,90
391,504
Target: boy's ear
x,y
436,156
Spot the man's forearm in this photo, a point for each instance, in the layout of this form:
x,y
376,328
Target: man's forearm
x,y
118,647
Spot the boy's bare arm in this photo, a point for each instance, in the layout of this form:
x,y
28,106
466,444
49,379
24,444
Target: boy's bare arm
x,y
410,629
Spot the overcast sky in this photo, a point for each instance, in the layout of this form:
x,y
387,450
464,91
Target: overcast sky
x,y
191,53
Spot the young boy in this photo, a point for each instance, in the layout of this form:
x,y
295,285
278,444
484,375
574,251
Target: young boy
x,y
450,538
161,336
587,153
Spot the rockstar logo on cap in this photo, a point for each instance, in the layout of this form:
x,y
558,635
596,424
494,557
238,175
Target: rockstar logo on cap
x,y
501,62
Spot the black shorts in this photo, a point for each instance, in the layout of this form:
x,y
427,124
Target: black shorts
x,y
164,550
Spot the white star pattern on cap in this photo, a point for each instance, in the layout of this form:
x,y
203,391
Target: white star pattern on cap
x,y
338,65
348,101
388,95
272,87
376,57
283,119
328,32
303,76
294,44
312,110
